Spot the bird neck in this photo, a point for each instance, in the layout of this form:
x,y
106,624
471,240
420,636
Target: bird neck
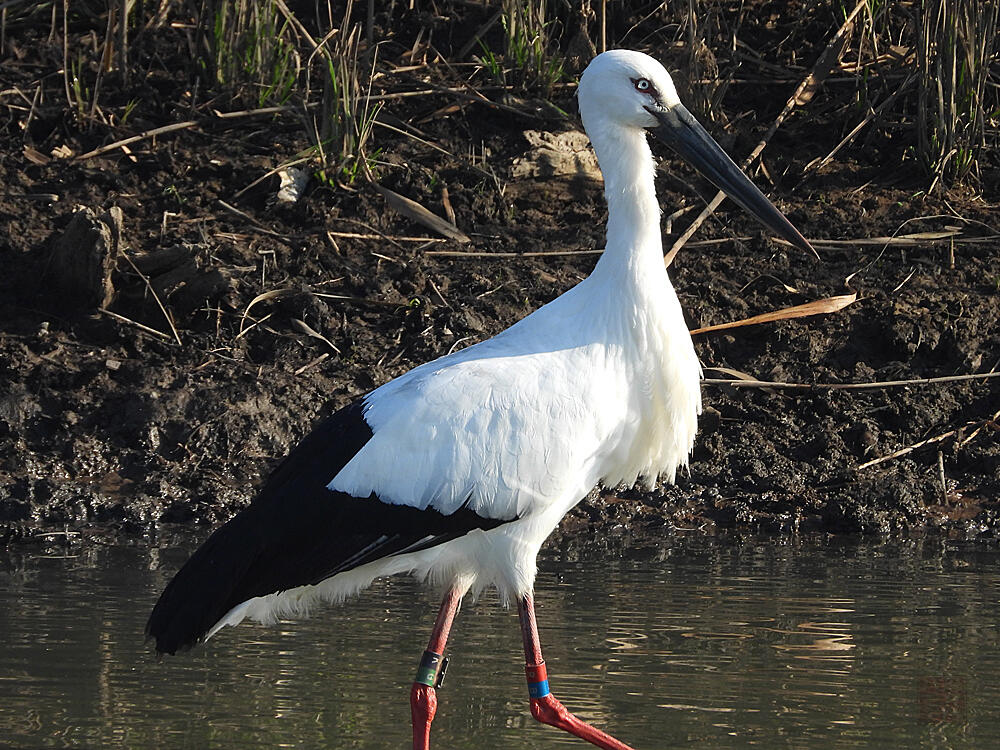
x,y
634,245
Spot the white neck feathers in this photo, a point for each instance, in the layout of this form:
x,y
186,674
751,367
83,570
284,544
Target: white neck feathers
x,y
634,250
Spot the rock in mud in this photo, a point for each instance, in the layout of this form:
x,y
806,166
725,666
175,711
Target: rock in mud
x,y
84,257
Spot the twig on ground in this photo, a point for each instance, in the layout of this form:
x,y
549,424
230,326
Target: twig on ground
x,y
253,112
416,212
302,327
483,254
140,326
552,253
374,230
826,62
391,96
156,297
816,307
871,386
905,240
141,137
993,421
319,360
429,144
929,441
394,238
263,297
243,214
244,331
359,300
438,293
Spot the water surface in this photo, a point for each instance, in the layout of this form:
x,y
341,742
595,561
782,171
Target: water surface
x,y
689,642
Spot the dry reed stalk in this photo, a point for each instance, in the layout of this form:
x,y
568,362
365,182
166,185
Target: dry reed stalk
x,y
869,386
141,137
979,425
959,42
816,307
826,62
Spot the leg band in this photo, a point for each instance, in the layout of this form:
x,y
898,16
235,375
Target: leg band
x,y
431,670
538,680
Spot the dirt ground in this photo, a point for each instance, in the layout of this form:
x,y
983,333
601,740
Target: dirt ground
x,y
107,428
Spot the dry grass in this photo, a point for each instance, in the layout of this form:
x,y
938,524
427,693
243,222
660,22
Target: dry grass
x,y
251,49
926,72
957,57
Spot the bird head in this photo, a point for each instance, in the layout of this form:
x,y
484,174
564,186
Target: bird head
x,y
623,89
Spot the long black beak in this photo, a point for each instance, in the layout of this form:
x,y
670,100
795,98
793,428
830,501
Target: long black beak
x,y
679,130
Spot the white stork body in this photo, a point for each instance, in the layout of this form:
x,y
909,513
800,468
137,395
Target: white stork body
x,y
599,385
458,470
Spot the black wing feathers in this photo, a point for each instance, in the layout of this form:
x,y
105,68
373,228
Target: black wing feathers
x,y
297,532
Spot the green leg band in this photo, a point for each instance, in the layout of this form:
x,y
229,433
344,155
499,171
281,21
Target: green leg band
x,y
431,670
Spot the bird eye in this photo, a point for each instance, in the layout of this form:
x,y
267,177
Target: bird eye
x,y
643,85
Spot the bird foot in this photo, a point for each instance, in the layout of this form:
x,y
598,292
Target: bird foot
x,y
548,710
423,706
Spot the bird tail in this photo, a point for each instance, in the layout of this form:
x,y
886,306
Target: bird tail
x,y
203,591
286,537
297,532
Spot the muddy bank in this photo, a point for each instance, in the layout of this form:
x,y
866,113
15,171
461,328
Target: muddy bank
x,y
224,323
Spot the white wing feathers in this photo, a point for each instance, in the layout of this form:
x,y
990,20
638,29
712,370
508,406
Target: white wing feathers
x,y
535,417
499,432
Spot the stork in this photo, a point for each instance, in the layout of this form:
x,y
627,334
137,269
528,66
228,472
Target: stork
x,y
457,471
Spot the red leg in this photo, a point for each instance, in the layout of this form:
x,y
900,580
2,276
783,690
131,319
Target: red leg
x,y
544,706
423,697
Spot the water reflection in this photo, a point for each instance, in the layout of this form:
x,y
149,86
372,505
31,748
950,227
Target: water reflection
x,y
691,642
